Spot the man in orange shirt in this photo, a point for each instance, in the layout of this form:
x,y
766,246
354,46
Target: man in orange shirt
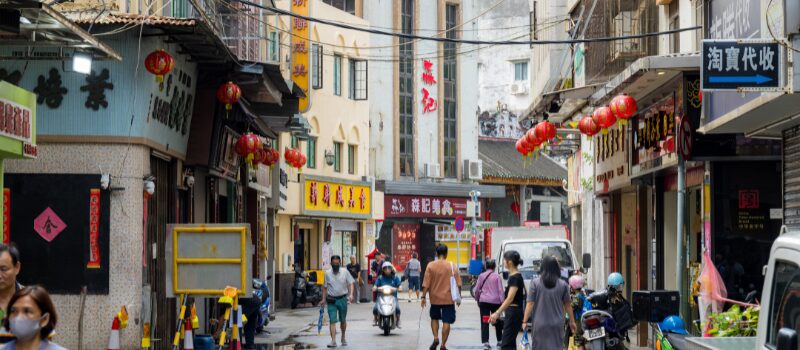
x,y
437,282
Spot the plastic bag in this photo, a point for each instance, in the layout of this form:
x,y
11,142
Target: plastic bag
x,y
712,291
524,343
571,345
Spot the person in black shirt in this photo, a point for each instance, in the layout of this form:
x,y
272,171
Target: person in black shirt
x,y
515,290
355,270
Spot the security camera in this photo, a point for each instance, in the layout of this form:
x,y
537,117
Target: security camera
x,y
105,181
189,181
150,187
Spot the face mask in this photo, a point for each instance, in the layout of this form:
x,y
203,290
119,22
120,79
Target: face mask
x,y
336,268
24,328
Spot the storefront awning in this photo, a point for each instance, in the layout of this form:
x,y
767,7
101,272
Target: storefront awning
x,y
765,116
29,23
645,75
572,101
443,189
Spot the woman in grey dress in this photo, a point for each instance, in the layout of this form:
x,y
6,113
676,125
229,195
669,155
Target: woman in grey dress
x,y
550,296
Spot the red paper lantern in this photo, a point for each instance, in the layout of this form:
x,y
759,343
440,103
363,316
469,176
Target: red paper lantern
x,y
531,136
669,145
604,118
623,106
545,131
160,63
521,147
588,127
260,156
229,93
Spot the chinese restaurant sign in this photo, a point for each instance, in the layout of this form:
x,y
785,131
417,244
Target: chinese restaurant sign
x,y
424,207
336,198
428,79
300,34
742,65
17,120
654,136
405,240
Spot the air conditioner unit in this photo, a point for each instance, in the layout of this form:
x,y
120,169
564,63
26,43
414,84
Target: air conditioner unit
x,y
473,169
432,171
519,88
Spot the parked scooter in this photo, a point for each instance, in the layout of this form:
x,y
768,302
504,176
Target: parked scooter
x,y
671,334
305,289
617,311
387,308
261,290
600,331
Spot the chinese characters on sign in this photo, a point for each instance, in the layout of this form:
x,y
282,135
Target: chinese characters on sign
x,y
749,216
428,101
94,229
323,197
424,206
405,240
736,65
15,121
300,34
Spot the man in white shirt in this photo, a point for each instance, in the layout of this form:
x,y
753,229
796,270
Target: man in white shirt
x,y
338,292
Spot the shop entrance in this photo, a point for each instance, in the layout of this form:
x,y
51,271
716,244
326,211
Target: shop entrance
x,y
345,244
301,244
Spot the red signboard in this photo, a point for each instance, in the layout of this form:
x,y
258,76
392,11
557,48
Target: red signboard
x,y
6,216
94,228
405,240
424,207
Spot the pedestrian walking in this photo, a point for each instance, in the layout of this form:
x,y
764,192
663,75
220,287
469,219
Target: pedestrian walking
x,y
32,319
512,305
338,292
437,283
580,305
489,295
9,270
551,298
414,268
355,270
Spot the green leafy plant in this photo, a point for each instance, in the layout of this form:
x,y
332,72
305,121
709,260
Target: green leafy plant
x,y
734,322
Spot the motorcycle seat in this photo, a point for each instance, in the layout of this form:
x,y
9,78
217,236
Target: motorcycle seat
x,y
678,341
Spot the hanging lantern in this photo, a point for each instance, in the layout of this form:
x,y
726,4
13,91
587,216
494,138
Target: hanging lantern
x,y
669,145
288,155
229,93
545,131
276,156
623,107
535,145
521,148
588,127
604,118
260,156
160,63
531,136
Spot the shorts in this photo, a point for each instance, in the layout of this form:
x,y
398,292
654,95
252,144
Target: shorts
x,y
337,309
413,283
446,313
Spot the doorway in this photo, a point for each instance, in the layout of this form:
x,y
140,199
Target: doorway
x,y
301,244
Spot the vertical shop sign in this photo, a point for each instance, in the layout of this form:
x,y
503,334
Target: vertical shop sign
x,y
300,34
428,102
6,216
405,240
94,228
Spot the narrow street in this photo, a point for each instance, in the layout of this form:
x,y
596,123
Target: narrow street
x,y
415,332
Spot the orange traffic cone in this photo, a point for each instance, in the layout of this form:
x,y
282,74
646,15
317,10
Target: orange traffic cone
x,y
113,340
188,340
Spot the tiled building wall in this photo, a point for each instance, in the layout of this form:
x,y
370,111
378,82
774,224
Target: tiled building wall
x,y
125,279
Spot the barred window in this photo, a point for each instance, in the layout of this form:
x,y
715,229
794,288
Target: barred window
x,y
316,63
406,87
358,79
450,97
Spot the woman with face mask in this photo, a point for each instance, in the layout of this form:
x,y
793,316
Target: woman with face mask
x,y
31,318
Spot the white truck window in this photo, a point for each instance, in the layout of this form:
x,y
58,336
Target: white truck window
x,y
785,308
532,254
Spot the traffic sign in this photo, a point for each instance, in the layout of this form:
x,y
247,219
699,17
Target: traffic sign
x,y
685,138
459,224
742,65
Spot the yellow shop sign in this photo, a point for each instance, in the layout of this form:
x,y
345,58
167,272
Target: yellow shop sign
x,y
336,198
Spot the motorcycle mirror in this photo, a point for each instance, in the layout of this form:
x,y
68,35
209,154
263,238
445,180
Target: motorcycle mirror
x,y
505,275
587,261
787,339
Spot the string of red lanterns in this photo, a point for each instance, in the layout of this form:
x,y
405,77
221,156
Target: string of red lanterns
x,y
621,108
294,157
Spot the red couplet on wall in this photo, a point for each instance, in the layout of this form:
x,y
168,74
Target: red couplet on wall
x,y
94,228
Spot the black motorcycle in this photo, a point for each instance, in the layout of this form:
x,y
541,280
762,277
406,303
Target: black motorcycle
x,y
305,289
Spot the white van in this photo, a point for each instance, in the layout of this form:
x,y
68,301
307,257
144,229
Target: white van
x,y
533,250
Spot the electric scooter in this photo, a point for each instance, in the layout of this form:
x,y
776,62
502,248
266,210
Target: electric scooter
x,y
387,308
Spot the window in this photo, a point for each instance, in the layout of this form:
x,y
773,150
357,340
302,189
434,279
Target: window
x,y
450,98
358,80
351,159
532,21
785,308
274,47
294,141
406,88
700,21
337,157
674,23
337,75
348,6
311,153
316,64
521,71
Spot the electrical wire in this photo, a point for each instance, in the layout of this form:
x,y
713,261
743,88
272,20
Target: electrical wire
x,y
468,41
772,34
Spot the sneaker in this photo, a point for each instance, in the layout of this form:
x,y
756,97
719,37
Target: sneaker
x,y
332,344
487,346
344,342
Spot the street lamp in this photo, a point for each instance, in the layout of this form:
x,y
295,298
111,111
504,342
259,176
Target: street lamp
x,y
329,157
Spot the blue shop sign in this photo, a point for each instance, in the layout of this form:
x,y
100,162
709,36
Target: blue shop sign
x,y
741,65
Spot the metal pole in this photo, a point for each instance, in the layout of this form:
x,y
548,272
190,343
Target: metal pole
x,y
681,262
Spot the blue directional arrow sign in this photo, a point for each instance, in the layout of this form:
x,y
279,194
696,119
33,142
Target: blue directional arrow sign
x,y
747,79
742,65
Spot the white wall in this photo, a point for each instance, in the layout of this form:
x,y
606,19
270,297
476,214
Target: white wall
x,y
547,60
496,63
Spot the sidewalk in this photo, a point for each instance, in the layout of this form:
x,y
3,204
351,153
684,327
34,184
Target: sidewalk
x,y
287,324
